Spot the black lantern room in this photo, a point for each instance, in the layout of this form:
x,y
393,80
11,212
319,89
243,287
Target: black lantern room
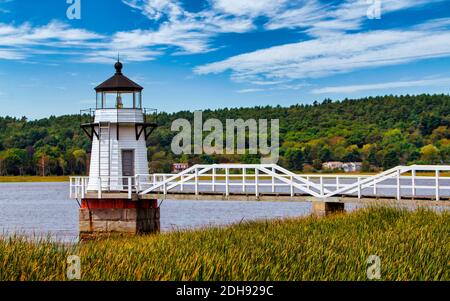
x,y
119,92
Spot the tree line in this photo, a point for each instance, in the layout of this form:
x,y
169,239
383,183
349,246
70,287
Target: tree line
x,y
380,132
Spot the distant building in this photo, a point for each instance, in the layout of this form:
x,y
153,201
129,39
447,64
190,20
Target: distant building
x,y
352,166
179,167
332,165
345,166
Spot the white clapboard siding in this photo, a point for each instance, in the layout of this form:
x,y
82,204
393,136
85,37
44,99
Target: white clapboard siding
x,y
106,154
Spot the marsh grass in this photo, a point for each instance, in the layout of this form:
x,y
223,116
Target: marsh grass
x,y
412,245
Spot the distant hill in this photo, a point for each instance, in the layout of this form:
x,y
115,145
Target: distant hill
x,y
381,132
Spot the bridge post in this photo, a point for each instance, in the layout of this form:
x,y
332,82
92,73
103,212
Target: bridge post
x,y
227,182
196,181
244,176
273,181
325,207
214,179
437,185
256,182
359,188
321,186
375,192
292,186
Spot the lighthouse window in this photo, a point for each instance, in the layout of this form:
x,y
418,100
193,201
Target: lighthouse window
x,y
119,100
99,101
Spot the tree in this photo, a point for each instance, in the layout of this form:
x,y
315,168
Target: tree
x,y
14,161
294,159
317,164
430,154
325,154
444,151
391,159
79,161
352,154
441,132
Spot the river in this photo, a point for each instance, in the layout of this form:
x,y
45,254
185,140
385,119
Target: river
x,y
41,209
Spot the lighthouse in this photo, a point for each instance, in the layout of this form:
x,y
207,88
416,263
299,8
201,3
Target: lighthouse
x,y
117,152
118,132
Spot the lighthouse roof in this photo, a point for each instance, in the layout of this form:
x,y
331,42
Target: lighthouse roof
x,y
118,82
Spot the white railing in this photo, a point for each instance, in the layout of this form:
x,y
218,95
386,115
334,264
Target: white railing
x,y
80,186
257,179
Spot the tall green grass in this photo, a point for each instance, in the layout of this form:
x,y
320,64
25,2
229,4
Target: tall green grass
x,y
412,246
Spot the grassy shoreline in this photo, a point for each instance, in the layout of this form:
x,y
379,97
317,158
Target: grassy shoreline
x,y
26,179
50,179
412,245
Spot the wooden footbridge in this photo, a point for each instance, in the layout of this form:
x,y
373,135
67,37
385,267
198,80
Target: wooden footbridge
x,y
270,182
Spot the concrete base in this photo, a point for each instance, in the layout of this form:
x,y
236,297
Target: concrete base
x,y
324,208
118,216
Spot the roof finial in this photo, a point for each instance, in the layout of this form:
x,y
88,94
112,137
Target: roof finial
x,y
118,65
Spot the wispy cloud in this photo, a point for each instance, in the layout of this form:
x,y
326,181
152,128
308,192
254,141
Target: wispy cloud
x,y
177,31
250,90
335,54
383,86
20,42
275,87
4,10
187,32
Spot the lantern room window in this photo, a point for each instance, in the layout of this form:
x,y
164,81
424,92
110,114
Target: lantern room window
x,y
119,100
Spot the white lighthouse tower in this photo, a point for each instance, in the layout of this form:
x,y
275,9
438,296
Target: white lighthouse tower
x,y
118,132
110,203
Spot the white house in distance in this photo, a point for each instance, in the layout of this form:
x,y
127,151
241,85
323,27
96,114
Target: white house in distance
x,y
345,166
118,132
179,167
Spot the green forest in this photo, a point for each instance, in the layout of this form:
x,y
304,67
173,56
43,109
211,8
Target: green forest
x,y
380,132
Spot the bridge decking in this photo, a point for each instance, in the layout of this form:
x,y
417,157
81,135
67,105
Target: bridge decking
x,y
270,197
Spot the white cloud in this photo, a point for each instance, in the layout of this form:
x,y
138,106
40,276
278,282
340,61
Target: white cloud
x,y
248,8
274,87
250,90
53,34
107,55
175,30
381,86
320,18
330,55
21,42
8,54
186,31
2,9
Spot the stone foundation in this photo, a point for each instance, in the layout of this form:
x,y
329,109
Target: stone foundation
x,y
323,208
118,216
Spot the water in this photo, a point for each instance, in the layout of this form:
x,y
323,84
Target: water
x,y
45,209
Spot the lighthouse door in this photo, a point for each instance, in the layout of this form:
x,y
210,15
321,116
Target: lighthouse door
x,y
127,165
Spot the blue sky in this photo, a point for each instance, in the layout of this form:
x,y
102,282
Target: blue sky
x,y
220,53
